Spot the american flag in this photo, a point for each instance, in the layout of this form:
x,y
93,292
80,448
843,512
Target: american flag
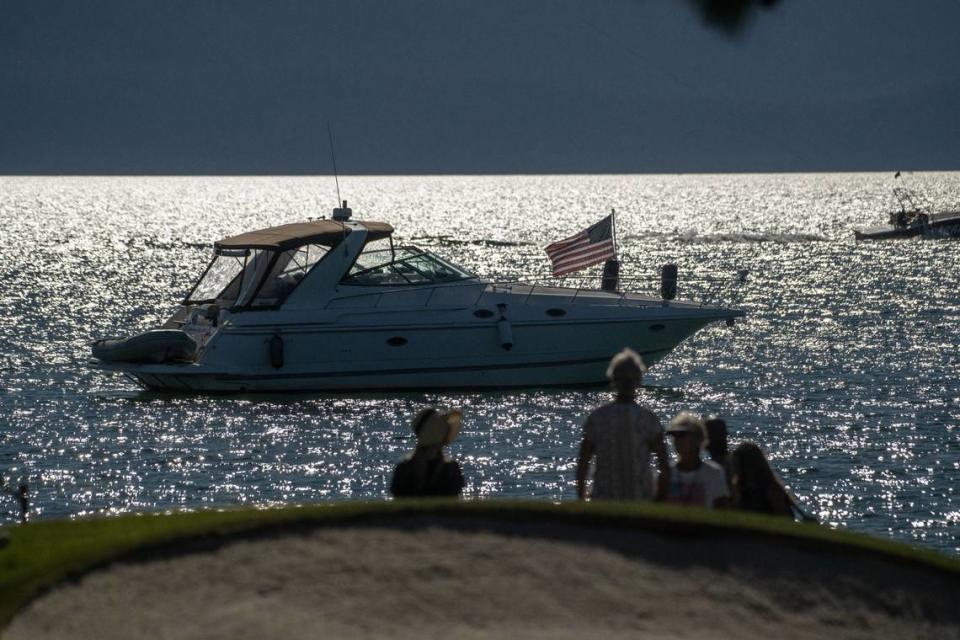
x,y
591,246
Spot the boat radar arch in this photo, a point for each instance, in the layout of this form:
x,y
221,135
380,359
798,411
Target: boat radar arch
x,y
342,214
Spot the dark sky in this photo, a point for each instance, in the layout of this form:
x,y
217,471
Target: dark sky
x,y
475,86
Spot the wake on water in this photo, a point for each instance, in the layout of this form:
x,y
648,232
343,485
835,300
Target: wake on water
x,y
685,237
692,237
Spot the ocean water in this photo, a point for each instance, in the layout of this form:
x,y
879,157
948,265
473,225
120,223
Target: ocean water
x,y
846,367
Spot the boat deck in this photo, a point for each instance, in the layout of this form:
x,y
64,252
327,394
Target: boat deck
x,y
945,224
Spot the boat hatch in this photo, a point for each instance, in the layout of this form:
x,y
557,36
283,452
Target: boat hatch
x,y
254,278
401,266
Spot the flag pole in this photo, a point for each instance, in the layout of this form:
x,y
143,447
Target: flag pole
x,y
613,224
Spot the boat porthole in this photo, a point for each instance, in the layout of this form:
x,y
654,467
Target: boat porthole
x,y
657,327
556,313
483,313
396,341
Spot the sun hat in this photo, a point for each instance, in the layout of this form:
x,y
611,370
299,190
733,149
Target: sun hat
x,y
626,364
437,426
686,422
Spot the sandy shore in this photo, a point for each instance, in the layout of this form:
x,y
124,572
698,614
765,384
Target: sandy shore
x,y
433,583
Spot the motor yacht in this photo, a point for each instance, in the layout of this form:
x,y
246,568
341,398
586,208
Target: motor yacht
x,y
334,304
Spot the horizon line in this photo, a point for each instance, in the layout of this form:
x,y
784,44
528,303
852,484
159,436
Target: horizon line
x,y
467,174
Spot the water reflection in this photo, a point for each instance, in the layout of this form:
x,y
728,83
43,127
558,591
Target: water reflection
x,y
845,369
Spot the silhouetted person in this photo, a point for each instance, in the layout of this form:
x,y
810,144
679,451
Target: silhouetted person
x,y
24,501
754,484
717,443
429,471
621,435
22,495
693,481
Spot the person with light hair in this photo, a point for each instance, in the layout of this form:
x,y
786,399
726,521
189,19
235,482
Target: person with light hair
x,y
619,438
693,481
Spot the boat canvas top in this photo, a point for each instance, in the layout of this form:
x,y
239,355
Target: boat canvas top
x,y
297,234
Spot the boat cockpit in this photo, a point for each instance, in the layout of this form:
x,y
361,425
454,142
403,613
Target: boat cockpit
x,y
254,278
260,270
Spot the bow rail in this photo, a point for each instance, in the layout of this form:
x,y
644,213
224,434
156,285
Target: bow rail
x,y
634,292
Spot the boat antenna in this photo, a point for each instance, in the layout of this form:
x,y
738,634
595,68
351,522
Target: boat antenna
x,y
333,157
341,213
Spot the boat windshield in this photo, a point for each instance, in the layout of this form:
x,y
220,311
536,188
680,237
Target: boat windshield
x,y
254,277
400,267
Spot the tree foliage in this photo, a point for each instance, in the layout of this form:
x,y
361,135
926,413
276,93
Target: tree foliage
x,y
730,15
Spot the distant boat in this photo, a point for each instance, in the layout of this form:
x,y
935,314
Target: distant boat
x,y
333,304
914,218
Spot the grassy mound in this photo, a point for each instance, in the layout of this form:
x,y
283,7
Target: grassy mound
x,y
38,556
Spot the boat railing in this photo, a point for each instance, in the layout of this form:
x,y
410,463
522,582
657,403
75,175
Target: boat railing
x,y
915,203
703,291
633,292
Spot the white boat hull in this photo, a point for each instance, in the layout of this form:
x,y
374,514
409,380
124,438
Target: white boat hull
x,y
431,356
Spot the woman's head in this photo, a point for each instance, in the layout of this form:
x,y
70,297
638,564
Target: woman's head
x,y
436,427
625,372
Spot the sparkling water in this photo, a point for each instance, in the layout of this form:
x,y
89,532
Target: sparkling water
x,y
845,368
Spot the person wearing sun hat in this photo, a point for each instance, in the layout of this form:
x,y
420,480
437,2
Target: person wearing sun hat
x,y
429,470
693,481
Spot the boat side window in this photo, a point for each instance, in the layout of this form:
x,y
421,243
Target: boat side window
x,y
289,269
401,266
375,254
433,269
221,281
258,262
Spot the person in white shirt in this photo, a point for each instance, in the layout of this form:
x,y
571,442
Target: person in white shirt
x,y
694,482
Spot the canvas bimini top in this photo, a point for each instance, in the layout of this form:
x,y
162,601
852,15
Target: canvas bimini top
x,y
297,234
